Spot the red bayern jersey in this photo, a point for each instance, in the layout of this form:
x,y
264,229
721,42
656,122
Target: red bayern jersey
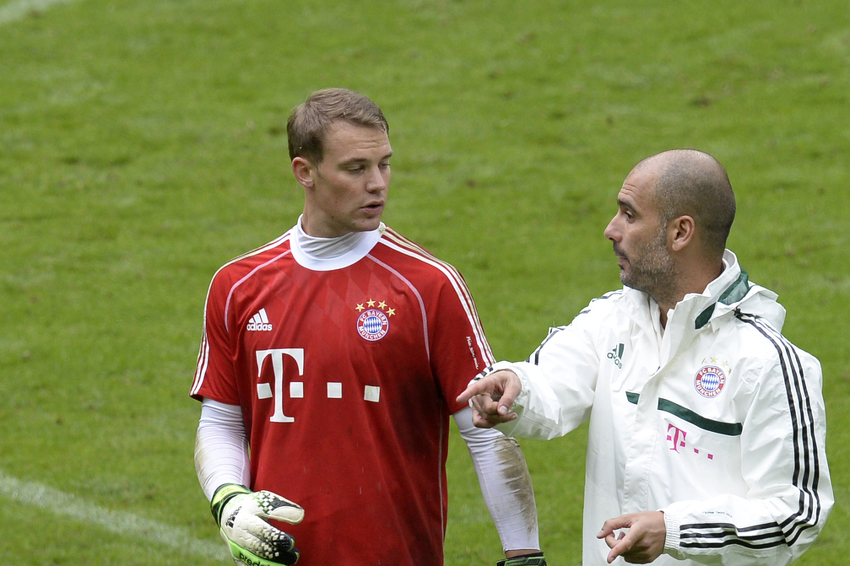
x,y
346,378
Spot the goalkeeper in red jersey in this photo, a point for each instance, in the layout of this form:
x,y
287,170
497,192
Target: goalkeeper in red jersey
x,y
330,365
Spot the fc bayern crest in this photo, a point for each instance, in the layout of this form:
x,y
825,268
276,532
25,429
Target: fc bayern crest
x,y
373,324
709,381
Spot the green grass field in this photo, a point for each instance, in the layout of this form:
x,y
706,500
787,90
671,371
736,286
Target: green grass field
x,y
142,145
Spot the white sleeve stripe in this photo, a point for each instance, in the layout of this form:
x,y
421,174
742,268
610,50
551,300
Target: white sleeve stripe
x,y
203,355
447,268
424,255
269,246
201,371
404,246
413,250
245,278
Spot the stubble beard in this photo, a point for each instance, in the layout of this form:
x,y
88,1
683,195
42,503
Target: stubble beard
x,y
651,269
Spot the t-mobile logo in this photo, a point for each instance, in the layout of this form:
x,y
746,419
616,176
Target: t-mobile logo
x,y
677,439
275,390
676,436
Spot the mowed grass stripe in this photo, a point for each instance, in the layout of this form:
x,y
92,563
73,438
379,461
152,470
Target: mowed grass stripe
x,y
119,522
20,9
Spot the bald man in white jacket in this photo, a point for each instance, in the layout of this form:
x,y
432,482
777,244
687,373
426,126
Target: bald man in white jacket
x,y
707,427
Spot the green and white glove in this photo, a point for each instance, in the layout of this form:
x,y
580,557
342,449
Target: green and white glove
x,y
252,541
535,559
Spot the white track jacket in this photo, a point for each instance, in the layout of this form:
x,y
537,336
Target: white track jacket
x,y
716,420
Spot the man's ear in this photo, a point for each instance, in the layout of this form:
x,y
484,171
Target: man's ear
x,y
680,232
304,172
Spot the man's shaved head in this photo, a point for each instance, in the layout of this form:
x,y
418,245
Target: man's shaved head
x,y
693,183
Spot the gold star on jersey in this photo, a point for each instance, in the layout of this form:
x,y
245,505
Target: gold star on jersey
x,y
374,320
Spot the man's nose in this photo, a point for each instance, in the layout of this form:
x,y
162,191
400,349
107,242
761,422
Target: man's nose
x,y
377,181
611,231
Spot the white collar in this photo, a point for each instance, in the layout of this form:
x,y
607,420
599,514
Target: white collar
x,y
327,254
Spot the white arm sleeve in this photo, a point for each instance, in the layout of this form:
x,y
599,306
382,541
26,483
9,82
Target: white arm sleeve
x,y
221,447
505,482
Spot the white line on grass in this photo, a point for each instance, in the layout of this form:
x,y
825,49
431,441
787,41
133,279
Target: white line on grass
x,y
119,522
19,9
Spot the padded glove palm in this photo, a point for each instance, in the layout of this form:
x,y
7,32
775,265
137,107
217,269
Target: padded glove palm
x,y
252,541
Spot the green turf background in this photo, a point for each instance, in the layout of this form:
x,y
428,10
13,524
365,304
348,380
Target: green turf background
x,y
142,145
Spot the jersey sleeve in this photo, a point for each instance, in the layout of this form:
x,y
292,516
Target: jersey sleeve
x,y
458,346
558,381
215,375
784,463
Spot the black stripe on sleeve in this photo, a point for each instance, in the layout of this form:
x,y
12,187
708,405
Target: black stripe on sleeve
x,y
806,471
806,462
534,358
719,535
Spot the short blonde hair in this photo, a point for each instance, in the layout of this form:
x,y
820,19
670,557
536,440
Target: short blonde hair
x,y
309,122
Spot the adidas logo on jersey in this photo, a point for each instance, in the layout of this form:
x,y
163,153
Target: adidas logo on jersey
x,y
616,354
260,321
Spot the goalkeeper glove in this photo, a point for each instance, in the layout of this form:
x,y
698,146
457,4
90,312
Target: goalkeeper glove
x,y
534,559
239,513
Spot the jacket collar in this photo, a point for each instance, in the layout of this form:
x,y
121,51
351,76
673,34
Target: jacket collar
x,y
730,291
734,293
696,303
